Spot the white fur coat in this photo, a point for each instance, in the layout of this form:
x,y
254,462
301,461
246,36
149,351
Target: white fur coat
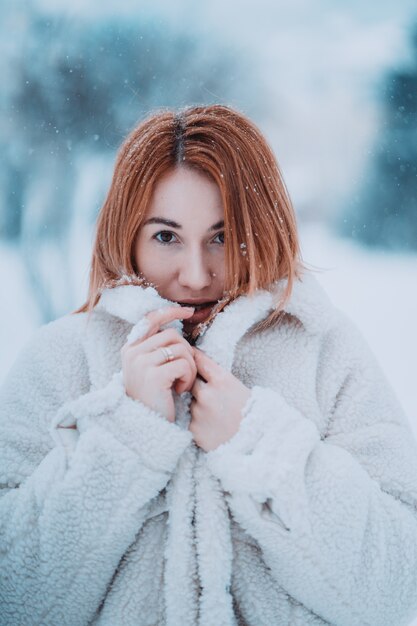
x,y
306,516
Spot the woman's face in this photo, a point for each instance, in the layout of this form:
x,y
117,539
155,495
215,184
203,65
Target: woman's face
x,y
180,245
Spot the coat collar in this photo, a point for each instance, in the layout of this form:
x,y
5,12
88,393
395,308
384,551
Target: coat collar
x,y
308,303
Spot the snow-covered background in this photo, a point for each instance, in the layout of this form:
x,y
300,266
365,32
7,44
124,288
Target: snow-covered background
x,y
315,76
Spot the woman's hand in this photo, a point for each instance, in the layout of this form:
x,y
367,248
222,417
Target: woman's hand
x,y
216,410
147,375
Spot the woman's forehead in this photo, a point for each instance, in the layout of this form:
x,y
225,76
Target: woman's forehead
x,y
182,194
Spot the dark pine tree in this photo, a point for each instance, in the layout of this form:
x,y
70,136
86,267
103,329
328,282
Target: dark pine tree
x,y
383,212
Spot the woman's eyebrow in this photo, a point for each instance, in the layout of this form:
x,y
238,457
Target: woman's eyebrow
x,y
162,220
217,225
172,224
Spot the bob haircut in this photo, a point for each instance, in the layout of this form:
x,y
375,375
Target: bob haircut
x,y
261,241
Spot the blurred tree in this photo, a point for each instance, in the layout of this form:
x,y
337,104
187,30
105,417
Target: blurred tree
x,y
384,211
78,87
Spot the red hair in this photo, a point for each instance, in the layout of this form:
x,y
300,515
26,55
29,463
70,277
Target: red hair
x,y
261,240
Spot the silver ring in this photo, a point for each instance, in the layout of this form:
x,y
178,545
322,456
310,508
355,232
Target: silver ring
x,y
168,354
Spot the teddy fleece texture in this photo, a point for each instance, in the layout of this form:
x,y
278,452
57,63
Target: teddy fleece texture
x,y
306,516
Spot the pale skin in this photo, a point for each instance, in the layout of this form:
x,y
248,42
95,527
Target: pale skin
x,y
185,263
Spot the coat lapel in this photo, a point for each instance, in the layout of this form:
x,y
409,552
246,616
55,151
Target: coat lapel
x,y
220,340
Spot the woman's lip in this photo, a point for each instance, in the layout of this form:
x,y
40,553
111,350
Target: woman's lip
x,y
196,302
201,314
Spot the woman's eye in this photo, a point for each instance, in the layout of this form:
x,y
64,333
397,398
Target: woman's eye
x,y
221,236
165,236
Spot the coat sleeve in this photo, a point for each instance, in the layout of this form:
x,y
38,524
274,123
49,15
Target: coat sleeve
x,y
335,512
72,501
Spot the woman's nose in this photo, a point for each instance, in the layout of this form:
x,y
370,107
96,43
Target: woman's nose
x,y
194,272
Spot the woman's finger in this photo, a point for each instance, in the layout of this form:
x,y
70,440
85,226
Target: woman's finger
x,y
166,337
155,319
162,354
197,388
158,318
179,372
206,367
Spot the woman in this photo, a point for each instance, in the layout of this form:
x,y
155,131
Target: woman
x,y
208,440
